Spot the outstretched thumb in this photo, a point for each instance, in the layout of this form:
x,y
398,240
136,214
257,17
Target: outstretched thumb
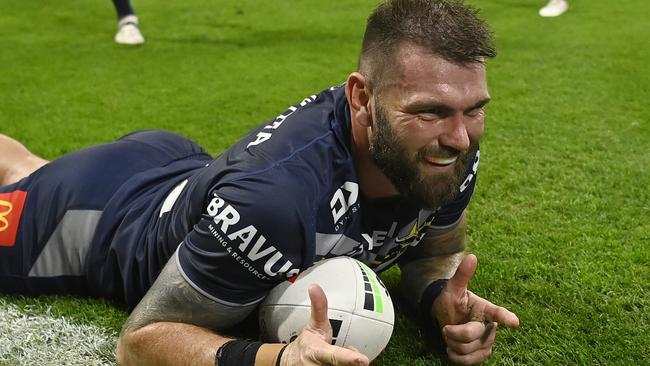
x,y
464,273
318,300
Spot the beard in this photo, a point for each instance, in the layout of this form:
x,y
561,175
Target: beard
x,y
405,171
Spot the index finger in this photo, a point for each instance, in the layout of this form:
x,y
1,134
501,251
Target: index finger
x,y
501,315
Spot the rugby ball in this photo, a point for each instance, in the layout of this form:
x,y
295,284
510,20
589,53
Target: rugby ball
x,y
360,309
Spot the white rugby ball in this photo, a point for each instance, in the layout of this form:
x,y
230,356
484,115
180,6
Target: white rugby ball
x,y
360,308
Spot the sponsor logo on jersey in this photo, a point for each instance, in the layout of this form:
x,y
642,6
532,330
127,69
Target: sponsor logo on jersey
x,y
6,207
11,208
246,244
408,236
344,203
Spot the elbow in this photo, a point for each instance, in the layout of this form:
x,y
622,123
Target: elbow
x,y
130,344
124,346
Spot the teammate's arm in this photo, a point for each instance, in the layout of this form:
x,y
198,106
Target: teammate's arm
x,y
174,324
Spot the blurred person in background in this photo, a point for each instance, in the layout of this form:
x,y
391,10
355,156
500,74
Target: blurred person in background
x,y
128,30
554,8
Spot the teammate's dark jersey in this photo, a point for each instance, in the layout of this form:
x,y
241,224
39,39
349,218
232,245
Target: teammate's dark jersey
x,y
281,198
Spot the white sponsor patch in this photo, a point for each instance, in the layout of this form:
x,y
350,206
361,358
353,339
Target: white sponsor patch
x,y
41,339
344,198
246,244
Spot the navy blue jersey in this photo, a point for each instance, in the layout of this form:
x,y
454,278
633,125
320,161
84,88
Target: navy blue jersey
x,y
89,222
286,195
104,221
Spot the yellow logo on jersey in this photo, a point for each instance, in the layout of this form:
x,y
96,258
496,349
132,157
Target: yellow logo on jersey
x,y
5,210
11,209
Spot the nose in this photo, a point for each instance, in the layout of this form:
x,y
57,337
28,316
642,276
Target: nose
x,y
455,134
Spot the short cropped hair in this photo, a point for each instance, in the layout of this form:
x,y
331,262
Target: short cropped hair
x,y
449,29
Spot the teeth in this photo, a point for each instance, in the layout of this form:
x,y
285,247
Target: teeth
x,y
441,161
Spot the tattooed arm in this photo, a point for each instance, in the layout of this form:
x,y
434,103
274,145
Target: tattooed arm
x,y
175,325
468,323
436,257
173,316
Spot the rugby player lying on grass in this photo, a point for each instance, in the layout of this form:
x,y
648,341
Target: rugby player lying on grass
x,y
380,168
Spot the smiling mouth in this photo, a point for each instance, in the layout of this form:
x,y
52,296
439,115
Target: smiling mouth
x,y
441,161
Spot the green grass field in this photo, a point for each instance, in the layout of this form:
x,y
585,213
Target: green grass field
x,y
559,219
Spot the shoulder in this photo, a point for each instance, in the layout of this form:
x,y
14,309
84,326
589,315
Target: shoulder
x,y
318,118
293,156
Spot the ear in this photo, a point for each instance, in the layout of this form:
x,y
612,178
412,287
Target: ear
x,y
358,93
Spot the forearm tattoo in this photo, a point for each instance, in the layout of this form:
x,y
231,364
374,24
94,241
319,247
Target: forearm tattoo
x,y
436,257
172,299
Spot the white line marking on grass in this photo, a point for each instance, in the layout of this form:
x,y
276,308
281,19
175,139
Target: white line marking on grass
x,y
41,339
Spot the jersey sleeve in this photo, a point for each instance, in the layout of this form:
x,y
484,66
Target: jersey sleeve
x,y
450,214
252,235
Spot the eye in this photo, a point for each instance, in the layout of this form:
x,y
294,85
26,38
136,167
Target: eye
x,y
431,114
475,112
428,116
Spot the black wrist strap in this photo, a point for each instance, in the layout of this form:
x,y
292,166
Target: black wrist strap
x,y
279,359
237,352
431,326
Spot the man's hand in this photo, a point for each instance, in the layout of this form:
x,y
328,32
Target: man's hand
x,y
468,322
313,345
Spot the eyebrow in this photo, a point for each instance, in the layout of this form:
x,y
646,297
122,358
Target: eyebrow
x,y
428,105
480,104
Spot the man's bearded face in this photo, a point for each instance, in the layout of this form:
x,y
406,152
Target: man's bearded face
x,y
405,167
